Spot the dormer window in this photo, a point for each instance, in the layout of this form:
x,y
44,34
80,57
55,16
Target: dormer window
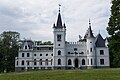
x,y
25,47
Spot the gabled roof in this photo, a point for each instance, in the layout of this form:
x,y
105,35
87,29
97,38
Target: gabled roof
x,y
99,41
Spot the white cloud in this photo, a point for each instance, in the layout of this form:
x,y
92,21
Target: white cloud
x,y
34,18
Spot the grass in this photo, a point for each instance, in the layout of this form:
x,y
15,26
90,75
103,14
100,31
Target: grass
x,y
95,74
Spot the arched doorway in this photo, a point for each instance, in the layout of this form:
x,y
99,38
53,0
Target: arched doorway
x,y
76,62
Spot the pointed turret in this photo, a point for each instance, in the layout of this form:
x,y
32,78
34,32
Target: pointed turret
x,y
59,21
89,33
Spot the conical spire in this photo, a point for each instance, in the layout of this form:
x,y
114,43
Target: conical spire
x,y
89,33
59,20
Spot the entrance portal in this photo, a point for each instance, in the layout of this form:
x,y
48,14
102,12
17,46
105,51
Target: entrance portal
x,y
76,63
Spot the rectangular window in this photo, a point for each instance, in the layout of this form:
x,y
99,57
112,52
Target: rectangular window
x,y
28,54
58,37
88,61
40,61
28,63
101,52
46,63
23,54
90,49
51,61
35,63
101,61
17,63
22,62
75,49
91,62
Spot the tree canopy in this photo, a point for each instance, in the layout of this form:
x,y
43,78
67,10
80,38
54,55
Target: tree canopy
x,y
114,32
8,50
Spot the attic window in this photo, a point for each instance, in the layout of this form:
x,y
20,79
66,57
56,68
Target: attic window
x,y
25,47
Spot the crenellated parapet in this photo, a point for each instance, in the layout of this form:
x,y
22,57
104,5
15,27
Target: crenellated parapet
x,y
83,43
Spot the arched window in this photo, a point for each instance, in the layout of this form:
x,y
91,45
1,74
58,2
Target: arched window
x,y
83,62
59,52
69,62
59,61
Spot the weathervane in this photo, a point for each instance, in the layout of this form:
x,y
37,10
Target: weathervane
x,y
89,23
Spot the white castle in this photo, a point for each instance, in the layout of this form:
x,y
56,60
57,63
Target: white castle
x,y
89,52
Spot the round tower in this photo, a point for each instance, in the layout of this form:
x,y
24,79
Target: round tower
x,y
90,44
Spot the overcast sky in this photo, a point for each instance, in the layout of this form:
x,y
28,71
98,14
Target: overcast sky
x,y
34,19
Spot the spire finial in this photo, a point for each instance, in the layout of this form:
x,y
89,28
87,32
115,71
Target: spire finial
x,y
59,7
89,23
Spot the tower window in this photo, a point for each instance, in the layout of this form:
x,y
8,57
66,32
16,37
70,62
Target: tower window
x,y
58,37
59,61
101,61
90,49
101,52
58,44
59,52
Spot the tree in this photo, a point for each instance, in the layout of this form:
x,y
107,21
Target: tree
x,y
114,32
8,50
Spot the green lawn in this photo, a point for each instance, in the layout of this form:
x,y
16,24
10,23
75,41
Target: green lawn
x,y
95,74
